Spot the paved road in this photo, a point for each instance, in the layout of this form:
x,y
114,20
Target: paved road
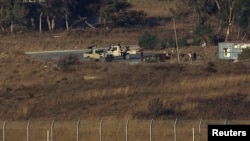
x,y
55,55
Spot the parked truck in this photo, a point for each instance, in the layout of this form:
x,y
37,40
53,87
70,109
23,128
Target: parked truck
x,y
119,51
95,54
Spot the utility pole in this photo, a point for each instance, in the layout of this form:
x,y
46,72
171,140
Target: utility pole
x,y
176,42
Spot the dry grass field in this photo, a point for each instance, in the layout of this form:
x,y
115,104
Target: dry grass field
x,y
210,89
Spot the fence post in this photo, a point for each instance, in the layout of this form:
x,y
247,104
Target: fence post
x,y
200,130
4,124
101,130
127,131
193,134
77,130
28,124
47,135
150,130
175,137
51,130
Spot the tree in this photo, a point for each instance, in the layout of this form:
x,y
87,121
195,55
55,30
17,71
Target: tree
x,y
205,32
52,9
7,15
231,5
33,10
119,13
199,7
245,54
110,9
56,9
232,13
242,18
13,12
149,41
79,11
182,9
67,8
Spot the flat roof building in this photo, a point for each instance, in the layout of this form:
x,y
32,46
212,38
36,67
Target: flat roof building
x,y
231,50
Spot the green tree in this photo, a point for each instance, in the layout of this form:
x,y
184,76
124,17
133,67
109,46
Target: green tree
x,y
52,9
67,9
32,14
242,18
198,6
149,41
245,54
206,32
120,14
12,12
182,9
57,10
111,7
232,13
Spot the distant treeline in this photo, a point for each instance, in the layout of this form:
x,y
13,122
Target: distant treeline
x,y
227,19
50,15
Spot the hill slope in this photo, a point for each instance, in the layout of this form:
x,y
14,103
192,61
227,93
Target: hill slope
x,y
31,89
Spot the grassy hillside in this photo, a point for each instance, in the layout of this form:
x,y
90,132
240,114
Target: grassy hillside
x,y
212,90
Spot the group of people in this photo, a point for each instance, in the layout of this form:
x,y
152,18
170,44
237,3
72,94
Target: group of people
x,y
192,57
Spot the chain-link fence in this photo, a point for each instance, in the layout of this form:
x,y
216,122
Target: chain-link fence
x,y
110,130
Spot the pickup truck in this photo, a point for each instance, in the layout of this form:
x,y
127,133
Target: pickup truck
x,y
95,54
118,50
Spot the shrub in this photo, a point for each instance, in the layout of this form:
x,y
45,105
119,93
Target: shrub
x,y
131,17
207,32
152,59
183,41
120,14
155,106
149,41
210,67
68,63
245,54
170,43
194,41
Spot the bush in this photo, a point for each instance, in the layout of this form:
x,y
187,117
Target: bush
x,y
151,59
131,17
68,63
170,43
155,106
245,54
206,32
120,14
149,41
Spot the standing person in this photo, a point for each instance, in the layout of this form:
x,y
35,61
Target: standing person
x,y
194,56
190,57
142,55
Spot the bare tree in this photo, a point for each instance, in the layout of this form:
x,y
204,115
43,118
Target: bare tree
x,y
230,18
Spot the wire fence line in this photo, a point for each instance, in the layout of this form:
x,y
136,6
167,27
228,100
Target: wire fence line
x,y
110,130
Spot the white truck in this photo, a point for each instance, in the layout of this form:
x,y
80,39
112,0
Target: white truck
x,y
117,50
95,54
